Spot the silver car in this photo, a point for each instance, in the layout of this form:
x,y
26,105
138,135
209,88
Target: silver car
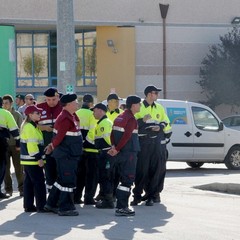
x,y
232,122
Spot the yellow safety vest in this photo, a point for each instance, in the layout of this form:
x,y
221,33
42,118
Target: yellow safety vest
x,y
31,142
158,115
102,133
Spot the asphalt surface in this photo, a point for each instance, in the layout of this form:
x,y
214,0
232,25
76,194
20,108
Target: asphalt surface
x,y
186,213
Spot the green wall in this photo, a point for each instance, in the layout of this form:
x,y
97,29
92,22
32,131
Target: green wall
x,y
7,60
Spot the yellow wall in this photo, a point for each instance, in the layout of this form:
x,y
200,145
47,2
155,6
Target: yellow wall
x,y
115,70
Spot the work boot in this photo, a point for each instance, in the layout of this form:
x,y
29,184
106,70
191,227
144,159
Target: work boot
x,y
48,208
105,204
149,202
135,202
31,209
68,213
99,197
89,202
156,198
4,195
144,197
126,212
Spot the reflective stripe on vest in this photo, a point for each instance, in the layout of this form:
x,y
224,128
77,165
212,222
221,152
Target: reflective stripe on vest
x,y
45,122
90,150
32,140
103,136
68,133
120,129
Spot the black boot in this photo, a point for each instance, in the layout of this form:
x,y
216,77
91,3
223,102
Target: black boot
x,y
107,202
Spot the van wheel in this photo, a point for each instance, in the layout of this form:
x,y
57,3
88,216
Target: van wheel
x,y
232,160
195,164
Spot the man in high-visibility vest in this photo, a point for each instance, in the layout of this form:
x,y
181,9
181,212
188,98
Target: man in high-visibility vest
x,y
154,129
7,126
105,165
87,166
113,109
13,156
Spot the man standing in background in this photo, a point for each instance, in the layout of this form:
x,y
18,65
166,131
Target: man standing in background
x,y
12,152
51,109
154,127
29,100
19,100
87,166
7,126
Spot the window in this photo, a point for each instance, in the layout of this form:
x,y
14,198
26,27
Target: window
x,y
86,72
204,119
32,60
37,59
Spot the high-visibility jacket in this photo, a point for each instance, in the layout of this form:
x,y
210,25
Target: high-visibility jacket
x,y
102,133
112,115
31,143
158,118
8,126
87,120
87,126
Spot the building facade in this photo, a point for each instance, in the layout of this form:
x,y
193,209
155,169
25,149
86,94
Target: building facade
x,y
136,30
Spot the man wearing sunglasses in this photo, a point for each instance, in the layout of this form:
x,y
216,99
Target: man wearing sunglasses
x,y
29,100
154,128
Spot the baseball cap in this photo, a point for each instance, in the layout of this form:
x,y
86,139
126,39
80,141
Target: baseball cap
x,y
88,98
100,106
151,88
20,96
113,96
31,109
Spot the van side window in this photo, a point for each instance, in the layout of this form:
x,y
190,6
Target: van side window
x,y
204,120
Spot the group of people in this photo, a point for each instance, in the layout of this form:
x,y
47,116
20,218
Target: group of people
x,y
70,151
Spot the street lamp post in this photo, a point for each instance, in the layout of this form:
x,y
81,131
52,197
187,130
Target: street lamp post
x,y
164,11
65,47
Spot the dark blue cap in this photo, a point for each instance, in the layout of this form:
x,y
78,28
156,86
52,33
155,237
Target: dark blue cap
x,y
100,106
51,92
67,98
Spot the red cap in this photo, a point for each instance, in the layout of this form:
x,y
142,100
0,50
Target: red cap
x,y
31,109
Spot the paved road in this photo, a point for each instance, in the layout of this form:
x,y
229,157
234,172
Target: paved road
x,y
185,213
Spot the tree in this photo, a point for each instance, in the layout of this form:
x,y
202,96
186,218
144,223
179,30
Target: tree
x,y
91,59
38,62
220,71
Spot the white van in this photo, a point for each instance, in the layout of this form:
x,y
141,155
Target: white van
x,y
199,136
